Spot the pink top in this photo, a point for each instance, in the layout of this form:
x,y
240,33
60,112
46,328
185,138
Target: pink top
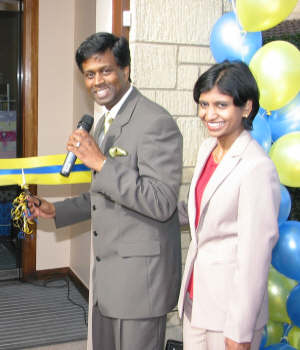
x,y
203,179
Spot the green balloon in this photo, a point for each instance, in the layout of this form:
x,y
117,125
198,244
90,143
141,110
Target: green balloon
x,y
279,288
274,332
285,153
294,337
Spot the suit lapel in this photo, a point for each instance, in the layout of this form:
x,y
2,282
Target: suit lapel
x,y
122,119
203,154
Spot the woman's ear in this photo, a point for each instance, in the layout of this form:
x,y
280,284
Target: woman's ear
x,y
247,108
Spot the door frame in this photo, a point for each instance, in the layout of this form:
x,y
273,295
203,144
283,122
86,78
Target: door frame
x,y
30,26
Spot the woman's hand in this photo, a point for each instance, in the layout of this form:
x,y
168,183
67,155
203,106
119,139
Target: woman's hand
x,y
233,345
40,208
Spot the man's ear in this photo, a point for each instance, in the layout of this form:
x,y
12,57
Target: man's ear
x,y
126,71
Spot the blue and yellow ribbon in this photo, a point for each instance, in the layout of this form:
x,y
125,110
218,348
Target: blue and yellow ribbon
x,y
42,170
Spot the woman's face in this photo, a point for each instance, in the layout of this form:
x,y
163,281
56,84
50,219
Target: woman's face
x,y
221,117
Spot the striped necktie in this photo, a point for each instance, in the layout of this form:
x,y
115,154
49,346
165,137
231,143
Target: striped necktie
x,y
107,122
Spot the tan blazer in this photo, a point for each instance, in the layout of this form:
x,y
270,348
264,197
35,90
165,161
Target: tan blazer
x,y
231,248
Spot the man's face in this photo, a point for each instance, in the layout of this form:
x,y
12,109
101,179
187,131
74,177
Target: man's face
x,y
104,79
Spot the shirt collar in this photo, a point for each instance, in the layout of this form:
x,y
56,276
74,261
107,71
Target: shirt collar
x,y
114,111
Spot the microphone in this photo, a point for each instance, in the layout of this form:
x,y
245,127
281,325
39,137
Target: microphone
x,y
85,123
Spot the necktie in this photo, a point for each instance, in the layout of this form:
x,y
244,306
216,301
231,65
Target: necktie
x,y
107,122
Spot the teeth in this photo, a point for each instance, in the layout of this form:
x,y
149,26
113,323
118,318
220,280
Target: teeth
x,y
215,125
102,93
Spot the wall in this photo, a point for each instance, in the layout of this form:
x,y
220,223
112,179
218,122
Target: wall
x,y
170,47
62,101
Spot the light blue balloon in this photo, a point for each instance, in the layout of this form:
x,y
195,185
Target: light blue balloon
x,y
261,131
285,205
293,305
280,346
286,119
286,253
228,41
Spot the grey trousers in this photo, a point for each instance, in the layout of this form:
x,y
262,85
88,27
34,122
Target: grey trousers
x,y
126,334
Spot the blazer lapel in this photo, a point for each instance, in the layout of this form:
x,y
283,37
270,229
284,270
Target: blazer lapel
x,y
228,163
122,119
203,154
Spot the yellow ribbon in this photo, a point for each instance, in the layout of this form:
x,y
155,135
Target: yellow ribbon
x,y
42,170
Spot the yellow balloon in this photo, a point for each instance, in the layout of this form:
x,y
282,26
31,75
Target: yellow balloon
x,y
294,337
275,332
279,287
276,68
285,153
257,15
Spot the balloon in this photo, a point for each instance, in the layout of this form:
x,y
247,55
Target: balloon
x,y
280,347
274,332
293,305
286,119
263,338
286,254
279,288
276,68
285,205
256,15
228,41
261,132
285,153
294,337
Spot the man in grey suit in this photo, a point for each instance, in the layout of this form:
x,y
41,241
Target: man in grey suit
x,y
136,160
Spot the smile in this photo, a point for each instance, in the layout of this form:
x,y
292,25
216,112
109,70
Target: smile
x,y
102,93
215,125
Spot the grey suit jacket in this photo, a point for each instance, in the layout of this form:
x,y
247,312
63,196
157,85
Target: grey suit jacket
x,y
132,204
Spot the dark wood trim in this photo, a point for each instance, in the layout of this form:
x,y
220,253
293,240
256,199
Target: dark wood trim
x,y
62,272
30,110
118,7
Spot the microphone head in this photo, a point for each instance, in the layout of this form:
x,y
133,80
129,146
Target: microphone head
x,y
86,122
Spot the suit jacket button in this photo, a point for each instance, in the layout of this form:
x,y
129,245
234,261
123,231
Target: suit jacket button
x,y
94,207
97,258
95,233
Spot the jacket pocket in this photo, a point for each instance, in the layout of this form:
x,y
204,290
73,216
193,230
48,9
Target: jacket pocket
x,y
146,248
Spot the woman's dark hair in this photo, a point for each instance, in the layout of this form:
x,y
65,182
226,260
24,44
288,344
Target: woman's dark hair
x,y
99,43
234,79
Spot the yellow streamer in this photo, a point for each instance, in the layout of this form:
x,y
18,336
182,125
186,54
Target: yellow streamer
x,y
19,214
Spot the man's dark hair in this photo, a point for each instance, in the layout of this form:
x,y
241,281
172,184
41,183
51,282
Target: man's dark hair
x,y
99,43
234,79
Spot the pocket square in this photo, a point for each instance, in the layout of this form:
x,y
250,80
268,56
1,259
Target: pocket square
x,y
117,152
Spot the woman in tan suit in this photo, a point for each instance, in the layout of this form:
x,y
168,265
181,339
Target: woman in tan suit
x,y
232,210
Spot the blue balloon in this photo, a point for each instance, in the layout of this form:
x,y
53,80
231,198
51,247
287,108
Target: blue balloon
x,y
286,254
228,40
261,131
280,346
285,205
286,119
293,305
264,338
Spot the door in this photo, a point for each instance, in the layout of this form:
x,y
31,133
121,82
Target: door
x,y
19,93
10,129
